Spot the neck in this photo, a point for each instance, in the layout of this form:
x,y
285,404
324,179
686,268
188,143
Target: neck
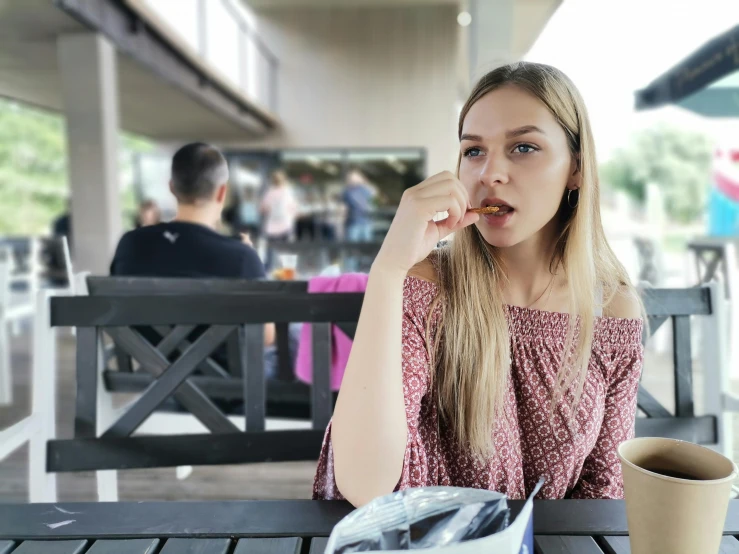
x,y
528,269
202,215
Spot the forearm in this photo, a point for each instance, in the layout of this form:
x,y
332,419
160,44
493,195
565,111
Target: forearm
x,y
369,430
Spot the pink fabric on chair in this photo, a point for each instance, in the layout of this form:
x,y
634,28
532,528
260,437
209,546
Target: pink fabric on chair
x,y
341,345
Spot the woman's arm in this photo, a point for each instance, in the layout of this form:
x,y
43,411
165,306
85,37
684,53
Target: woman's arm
x,y
369,428
601,474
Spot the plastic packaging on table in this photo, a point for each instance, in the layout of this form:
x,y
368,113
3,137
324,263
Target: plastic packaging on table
x,y
459,520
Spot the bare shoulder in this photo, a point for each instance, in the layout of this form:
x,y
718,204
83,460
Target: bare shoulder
x,y
425,271
625,304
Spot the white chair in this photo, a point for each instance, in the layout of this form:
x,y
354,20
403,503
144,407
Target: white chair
x,y
39,427
17,308
715,358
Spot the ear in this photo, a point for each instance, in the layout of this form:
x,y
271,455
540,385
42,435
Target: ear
x,y
574,181
221,193
171,189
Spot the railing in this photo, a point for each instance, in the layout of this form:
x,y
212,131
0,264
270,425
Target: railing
x,y
248,34
223,37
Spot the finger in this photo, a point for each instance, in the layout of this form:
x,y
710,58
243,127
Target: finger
x,y
434,180
470,218
454,214
465,194
429,207
456,217
439,186
446,230
449,187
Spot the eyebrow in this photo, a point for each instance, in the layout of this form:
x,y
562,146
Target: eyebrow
x,y
513,133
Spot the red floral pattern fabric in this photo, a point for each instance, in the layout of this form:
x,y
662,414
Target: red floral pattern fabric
x,y
578,460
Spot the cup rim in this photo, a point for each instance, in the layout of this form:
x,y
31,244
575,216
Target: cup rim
x,y
731,477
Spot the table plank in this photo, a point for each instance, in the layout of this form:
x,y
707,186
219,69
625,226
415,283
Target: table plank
x,y
276,518
729,545
285,545
51,547
318,545
120,520
196,546
6,546
565,545
616,545
131,546
620,545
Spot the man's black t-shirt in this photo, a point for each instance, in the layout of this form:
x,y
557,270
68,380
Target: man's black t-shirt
x,y
181,249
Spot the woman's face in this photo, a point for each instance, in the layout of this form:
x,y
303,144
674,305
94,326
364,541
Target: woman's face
x,y
149,216
515,155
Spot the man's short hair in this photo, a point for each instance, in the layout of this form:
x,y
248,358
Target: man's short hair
x,y
198,169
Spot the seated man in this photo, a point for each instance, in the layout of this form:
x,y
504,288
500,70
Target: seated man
x,y
189,245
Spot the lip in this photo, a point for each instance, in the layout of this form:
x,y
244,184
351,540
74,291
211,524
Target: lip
x,y
497,221
495,201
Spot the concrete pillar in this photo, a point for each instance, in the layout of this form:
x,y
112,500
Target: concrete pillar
x,y
490,35
87,67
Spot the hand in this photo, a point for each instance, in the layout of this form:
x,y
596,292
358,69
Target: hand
x,y
246,239
414,233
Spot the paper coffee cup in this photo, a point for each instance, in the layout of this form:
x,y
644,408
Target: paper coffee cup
x,y
677,495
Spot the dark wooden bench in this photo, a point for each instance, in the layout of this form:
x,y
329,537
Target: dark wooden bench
x,y
286,397
116,448
677,306
245,314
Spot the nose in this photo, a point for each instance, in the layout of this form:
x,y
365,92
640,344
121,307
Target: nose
x,y
494,171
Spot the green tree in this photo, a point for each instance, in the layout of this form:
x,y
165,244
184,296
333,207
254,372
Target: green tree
x,y
33,168
676,160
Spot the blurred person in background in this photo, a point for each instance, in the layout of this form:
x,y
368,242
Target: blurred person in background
x,y
57,263
358,196
149,214
310,205
248,219
190,245
336,214
279,208
62,225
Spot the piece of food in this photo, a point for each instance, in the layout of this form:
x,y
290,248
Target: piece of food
x,y
486,210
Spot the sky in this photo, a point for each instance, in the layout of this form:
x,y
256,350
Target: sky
x,y
612,48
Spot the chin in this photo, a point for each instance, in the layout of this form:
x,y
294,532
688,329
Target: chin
x,y
500,238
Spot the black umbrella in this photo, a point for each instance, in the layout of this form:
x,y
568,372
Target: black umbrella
x,y
706,82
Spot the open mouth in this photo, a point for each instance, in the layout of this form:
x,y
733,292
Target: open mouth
x,y
493,207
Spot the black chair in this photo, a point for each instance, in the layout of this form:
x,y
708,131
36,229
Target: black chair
x,y
116,448
286,397
677,305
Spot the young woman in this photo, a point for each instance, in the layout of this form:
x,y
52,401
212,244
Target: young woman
x,y
280,209
515,352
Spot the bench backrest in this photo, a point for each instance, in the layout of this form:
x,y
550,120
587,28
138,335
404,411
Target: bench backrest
x,y
223,314
677,306
245,314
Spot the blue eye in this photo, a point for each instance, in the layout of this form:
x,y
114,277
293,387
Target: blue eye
x,y
524,149
472,152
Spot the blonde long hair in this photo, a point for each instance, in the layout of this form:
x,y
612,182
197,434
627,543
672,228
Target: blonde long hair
x,y
471,356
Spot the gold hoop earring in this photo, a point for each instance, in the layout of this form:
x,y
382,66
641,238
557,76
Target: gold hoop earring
x,y
577,198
